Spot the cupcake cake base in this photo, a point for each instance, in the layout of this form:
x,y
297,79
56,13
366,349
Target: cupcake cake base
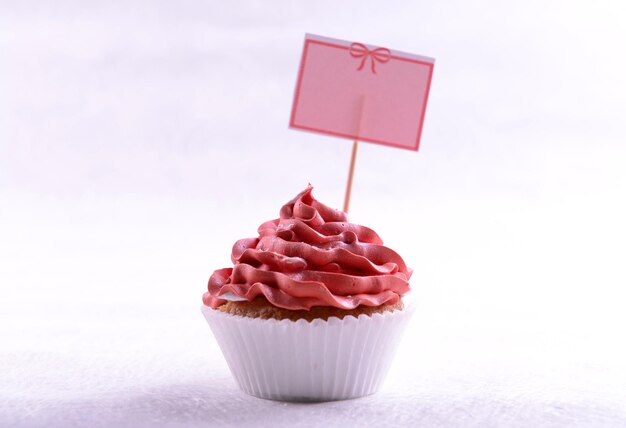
x,y
261,308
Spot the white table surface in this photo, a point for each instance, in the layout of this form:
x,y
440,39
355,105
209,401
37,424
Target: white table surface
x,y
139,141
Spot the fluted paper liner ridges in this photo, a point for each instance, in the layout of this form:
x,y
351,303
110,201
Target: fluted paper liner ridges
x,y
309,361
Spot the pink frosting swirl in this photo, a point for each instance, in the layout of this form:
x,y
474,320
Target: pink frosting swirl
x,y
311,256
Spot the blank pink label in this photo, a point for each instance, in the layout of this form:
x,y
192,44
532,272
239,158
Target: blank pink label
x,y
361,92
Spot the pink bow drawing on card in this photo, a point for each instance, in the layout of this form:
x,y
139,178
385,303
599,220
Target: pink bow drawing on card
x,y
359,50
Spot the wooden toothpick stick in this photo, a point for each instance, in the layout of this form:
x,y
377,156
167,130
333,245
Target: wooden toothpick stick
x,y
346,200
355,150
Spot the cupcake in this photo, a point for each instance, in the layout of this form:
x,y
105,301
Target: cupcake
x,y
313,307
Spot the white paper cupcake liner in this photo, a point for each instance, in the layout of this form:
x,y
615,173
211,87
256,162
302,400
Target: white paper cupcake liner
x,y
320,360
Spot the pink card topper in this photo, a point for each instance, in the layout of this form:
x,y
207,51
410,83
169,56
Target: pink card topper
x,y
361,92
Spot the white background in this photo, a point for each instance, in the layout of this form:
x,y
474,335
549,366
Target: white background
x,y
139,140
